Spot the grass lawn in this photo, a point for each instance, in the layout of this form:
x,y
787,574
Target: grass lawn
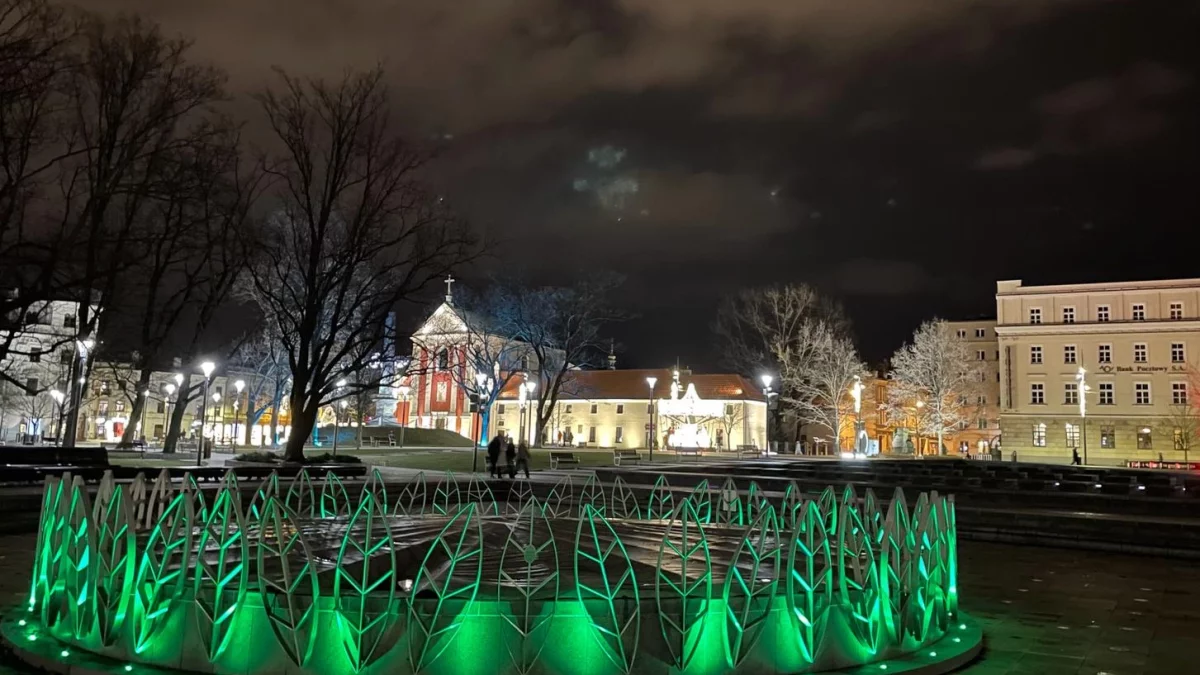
x,y
459,461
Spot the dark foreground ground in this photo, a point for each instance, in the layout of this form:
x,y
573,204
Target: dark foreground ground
x,y
1045,611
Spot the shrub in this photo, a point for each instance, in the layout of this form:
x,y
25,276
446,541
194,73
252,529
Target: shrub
x,y
327,458
261,457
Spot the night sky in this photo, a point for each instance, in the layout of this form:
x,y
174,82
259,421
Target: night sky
x,y
901,154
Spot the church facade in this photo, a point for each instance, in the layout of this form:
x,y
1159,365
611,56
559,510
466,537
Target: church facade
x,y
610,408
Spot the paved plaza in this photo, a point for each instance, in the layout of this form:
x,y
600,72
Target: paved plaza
x,y
1045,611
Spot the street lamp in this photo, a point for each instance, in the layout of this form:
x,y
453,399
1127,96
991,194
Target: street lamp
x,y
142,423
404,391
207,368
766,380
238,386
522,397
217,418
1081,378
76,393
652,381
58,397
170,389
337,419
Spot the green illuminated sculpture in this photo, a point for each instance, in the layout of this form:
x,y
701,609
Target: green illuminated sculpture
x,y
199,504
561,501
375,487
529,552
458,549
335,501
592,494
37,583
810,578
729,511
748,592
790,509
161,574
413,497
446,495
858,577
222,568
50,556
616,623
78,572
661,504
756,502
683,583
702,501
896,559
479,493
624,503
301,497
116,550
287,581
519,495
268,488
364,589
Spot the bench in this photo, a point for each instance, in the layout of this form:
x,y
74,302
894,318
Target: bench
x,y
694,453
626,457
558,459
748,451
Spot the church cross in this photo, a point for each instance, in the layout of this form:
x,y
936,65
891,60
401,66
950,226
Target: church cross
x,y
449,283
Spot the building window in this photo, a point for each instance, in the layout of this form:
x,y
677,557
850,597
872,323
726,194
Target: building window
x,y
1068,314
620,437
35,356
620,408
1138,312
1102,313
104,387
1179,393
595,408
1071,393
1177,352
69,321
1144,440
1176,311
980,332
160,407
1072,435
960,333
1139,352
102,409
1105,355
1141,393
1106,393
591,434
982,400
120,406
1069,354
1035,354
443,391
1039,435
981,355
500,422
1180,439
1037,393
728,409
500,409
982,423
443,360
31,386
1035,315
1108,437
568,410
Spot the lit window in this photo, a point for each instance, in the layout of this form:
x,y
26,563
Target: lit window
x,y
982,423
1176,311
1035,315
1068,314
1144,439
620,438
1106,393
980,332
1138,312
1108,437
1039,435
119,406
1179,393
1069,354
443,391
1141,393
1102,313
1037,393
1035,354
591,434
1072,435
1071,393
1105,355
1139,352
1177,355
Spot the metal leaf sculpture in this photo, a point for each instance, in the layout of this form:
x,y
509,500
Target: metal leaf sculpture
x,y
529,566
52,600
793,499
479,493
78,572
702,501
730,510
661,504
858,579
895,564
335,501
756,502
872,516
116,551
561,500
287,581
414,497
106,487
810,578
520,494
446,497
39,585
683,583
932,569
827,504
162,571
364,585
623,502
750,584
222,568
375,487
161,494
301,497
192,488
596,544
592,494
268,488
139,502
949,531
457,550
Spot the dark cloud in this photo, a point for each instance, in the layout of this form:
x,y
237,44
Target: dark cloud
x,y
868,276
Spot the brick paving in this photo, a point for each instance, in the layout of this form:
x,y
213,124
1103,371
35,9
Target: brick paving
x,y
1045,611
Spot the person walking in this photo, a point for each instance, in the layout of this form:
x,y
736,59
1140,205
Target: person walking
x,y
510,454
522,460
1075,457
493,455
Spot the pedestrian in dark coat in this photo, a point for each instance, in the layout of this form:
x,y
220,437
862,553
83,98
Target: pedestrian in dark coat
x,y
493,455
522,459
510,455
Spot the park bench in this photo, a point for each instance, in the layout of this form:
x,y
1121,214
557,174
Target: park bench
x,y
694,453
566,459
626,457
748,451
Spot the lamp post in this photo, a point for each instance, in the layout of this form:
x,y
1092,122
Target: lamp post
x,y
766,380
82,347
522,394
532,429
651,381
217,418
404,391
207,368
1081,377
58,397
480,407
170,389
142,423
337,418
860,430
238,387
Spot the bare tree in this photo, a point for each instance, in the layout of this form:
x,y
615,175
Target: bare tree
x,y
1182,426
263,362
355,234
937,369
732,417
792,331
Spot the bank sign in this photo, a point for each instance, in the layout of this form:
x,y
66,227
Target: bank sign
x,y
1108,368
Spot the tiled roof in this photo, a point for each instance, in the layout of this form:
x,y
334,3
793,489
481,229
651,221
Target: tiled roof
x,y
631,384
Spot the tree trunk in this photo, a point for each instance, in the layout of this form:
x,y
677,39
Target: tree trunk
x,y
303,421
135,413
175,424
939,441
